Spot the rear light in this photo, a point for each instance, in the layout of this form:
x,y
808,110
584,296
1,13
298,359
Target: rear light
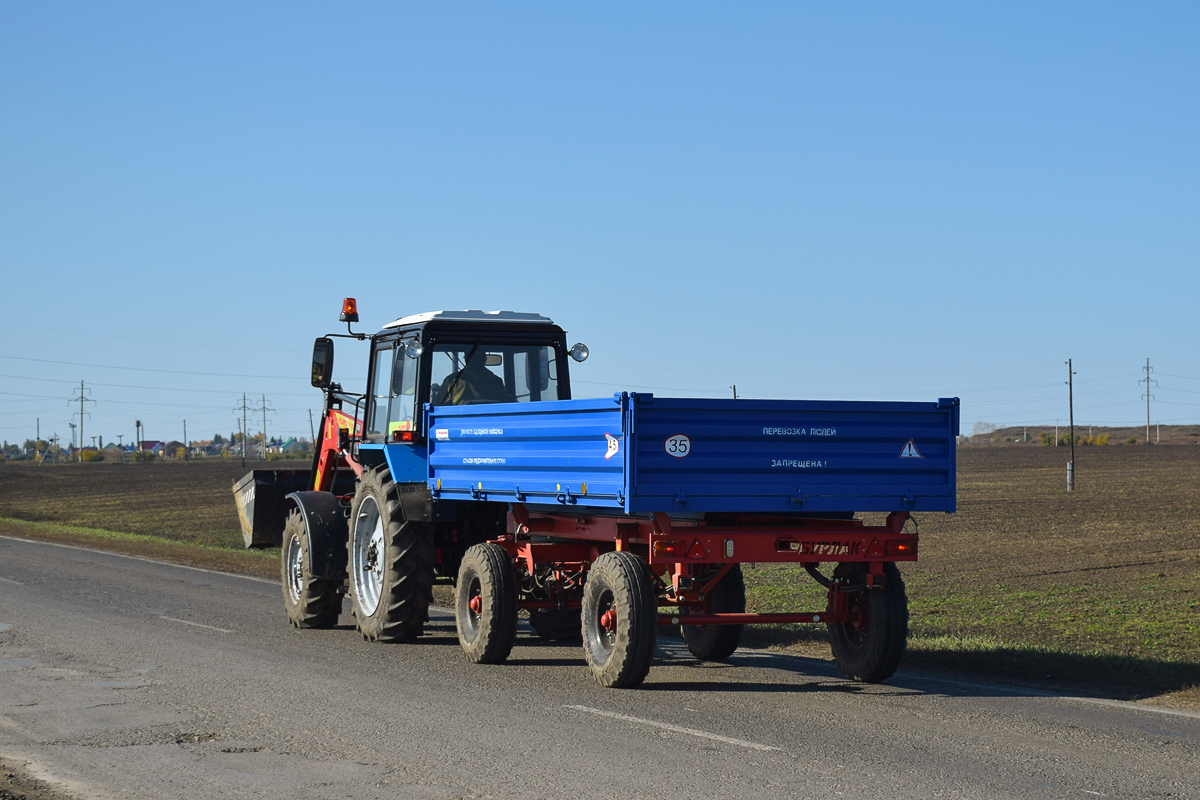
x,y
668,547
896,547
349,310
407,437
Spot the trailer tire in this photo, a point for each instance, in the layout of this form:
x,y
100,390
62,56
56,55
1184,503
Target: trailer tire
x,y
555,624
871,652
391,562
619,619
717,642
310,602
486,633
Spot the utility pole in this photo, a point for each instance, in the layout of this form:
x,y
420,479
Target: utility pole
x,y
1071,407
311,430
83,398
264,410
1056,433
121,447
185,442
734,387
245,409
1148,397
72,424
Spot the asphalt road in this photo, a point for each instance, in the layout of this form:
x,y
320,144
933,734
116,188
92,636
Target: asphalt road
x,y
124,678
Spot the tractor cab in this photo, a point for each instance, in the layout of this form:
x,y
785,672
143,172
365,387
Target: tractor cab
x,y
435,358
459,358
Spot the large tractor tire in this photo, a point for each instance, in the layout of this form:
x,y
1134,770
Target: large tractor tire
x,y
869,646
391,562
555,624
310,602
485,604
717,642
620,620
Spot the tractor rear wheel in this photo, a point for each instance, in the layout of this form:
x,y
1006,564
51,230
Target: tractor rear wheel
x,y
620,619
485,604
310,602
868,647
717,642
391,562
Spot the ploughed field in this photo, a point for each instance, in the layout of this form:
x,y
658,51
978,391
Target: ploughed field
x,y
1112,568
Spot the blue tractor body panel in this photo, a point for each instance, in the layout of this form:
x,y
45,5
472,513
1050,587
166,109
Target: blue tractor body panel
x,y
636,454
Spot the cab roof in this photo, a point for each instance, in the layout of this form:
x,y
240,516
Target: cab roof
x,y
469,316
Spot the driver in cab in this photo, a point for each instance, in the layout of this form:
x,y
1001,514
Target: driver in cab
x,y
474,383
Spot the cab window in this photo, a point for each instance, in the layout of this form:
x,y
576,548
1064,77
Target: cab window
x,y
404,394
476,372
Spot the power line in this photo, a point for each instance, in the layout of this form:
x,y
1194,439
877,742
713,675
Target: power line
x,y
150,369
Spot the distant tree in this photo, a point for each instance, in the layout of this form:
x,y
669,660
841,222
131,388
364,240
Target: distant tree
x,y
984,428
218,439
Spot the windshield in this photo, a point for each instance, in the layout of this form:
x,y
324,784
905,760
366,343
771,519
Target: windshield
x,y
476,372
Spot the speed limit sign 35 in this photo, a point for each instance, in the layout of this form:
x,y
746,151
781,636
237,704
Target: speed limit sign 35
x,y
678,446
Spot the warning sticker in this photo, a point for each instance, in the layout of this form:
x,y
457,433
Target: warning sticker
x,y
441,434
910,451
614,444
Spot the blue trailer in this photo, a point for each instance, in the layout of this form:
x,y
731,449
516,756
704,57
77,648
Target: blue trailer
x,y
639,454
602,519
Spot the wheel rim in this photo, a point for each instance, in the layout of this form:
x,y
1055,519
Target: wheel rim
x,y
857,629
295,569
368,556
604,633
474,615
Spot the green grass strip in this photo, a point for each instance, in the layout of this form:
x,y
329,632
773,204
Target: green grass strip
x,y
119,536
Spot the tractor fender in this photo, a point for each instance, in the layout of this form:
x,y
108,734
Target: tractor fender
x,y
327,531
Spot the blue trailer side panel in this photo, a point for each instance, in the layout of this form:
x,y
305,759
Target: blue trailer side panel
x,y
778,456
639,454
564,452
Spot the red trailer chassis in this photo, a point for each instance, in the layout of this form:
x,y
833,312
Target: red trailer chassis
x,y
690,558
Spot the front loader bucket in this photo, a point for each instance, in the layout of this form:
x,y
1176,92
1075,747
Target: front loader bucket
x,y
262,503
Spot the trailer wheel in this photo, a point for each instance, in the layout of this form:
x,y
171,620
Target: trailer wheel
x,y
620,616
485,604
868,647
310,602
554,624
717,642
391,562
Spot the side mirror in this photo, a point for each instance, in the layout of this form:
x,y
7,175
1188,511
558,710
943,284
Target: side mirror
x,y
579,352
322,363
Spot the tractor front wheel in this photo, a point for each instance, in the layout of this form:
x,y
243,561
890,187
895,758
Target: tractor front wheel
x,y
310,602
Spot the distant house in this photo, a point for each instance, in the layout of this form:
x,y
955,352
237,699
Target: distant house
x,y
172,447
291,446
152,446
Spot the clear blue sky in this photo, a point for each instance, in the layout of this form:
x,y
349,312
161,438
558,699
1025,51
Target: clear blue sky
x,y
810,200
